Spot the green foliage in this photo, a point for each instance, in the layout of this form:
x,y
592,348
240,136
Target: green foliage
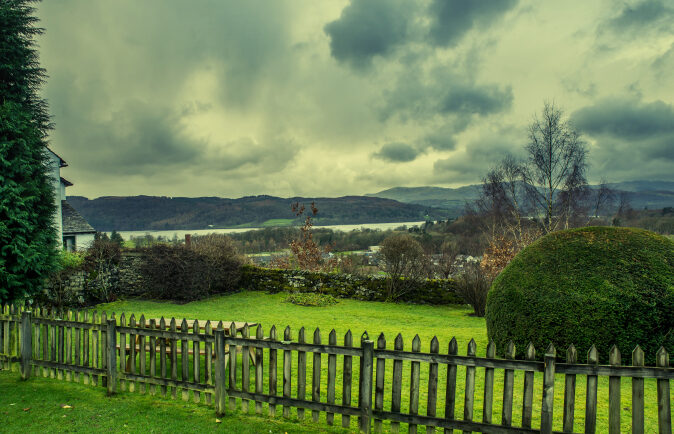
x,y
311,299
595,285
58,292
27,236
115,237
69,260
368,288
186,274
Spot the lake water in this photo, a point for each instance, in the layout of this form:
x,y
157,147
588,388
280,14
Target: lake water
x,y
180,233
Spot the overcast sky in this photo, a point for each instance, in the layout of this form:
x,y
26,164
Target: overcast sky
x,y
318,98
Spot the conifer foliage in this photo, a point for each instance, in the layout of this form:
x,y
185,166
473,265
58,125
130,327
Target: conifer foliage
x,y
27,234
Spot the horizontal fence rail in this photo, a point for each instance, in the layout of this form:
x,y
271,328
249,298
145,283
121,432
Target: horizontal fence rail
x,y
375,383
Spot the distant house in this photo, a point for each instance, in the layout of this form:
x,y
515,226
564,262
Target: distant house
x,y
74,232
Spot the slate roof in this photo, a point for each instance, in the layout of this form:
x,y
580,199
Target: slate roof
x,y
73,222
66,182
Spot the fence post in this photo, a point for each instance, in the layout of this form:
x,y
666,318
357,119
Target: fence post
x,y
365,392
220,389
112,357
547,406
26,345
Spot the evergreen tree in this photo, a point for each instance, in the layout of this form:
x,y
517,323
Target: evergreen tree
x,y
116,238
27,233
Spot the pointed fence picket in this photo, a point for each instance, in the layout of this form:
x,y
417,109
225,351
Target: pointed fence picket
x,y
90,348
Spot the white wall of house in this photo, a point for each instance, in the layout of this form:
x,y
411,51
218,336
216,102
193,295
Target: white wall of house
x,y
55,174
83,241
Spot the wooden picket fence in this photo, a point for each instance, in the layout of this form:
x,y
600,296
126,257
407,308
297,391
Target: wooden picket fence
x,y
93,349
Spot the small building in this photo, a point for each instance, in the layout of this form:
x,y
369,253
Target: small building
x,y
74,232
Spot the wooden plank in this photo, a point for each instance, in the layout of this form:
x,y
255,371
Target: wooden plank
x,y
450,389
220,362
638,394
454,424
614,393
347,375
528,398
245,369
122,352
196,359
431,406
153,356
36,341
287,371
162,355
208,362
259,369
52,341
60,350
142,357
508,384
174,357
332,374
414,383
26,345
365,389
112,357
301,373
45,346
591,394
232,367
488,408
396,388
664,406
69,346
379,383
316,377
273,367
104,347
548,403
570,391
470,386
185,358
95,361
130,362
85,347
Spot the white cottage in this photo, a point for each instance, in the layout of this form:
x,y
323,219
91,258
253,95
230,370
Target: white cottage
x,y
73,230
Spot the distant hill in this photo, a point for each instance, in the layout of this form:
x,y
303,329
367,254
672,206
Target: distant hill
x,y
451,199
641,194
166,213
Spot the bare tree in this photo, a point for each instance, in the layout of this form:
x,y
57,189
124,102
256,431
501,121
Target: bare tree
x,y
404,261
555,173
501,199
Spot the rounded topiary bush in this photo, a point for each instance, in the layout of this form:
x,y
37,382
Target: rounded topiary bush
x,y
595,285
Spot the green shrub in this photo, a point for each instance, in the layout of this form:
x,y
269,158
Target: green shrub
x,y
58,291
181,273
367,288
596,285
314,299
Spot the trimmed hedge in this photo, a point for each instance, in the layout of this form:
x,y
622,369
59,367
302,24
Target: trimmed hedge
x,y
367,288
595,285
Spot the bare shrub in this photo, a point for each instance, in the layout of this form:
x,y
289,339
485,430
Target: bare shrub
x,y
472,286
404,261
222,259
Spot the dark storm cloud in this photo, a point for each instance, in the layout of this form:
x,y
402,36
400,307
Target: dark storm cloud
x,y
451,19
482,100
633,139
368,28
644,14
478,156
626,118
396,153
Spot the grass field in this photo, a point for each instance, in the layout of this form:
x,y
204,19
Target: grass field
x,y
38,406
444,322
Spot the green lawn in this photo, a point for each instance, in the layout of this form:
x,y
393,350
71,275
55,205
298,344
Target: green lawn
x,y
36,406
444,322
